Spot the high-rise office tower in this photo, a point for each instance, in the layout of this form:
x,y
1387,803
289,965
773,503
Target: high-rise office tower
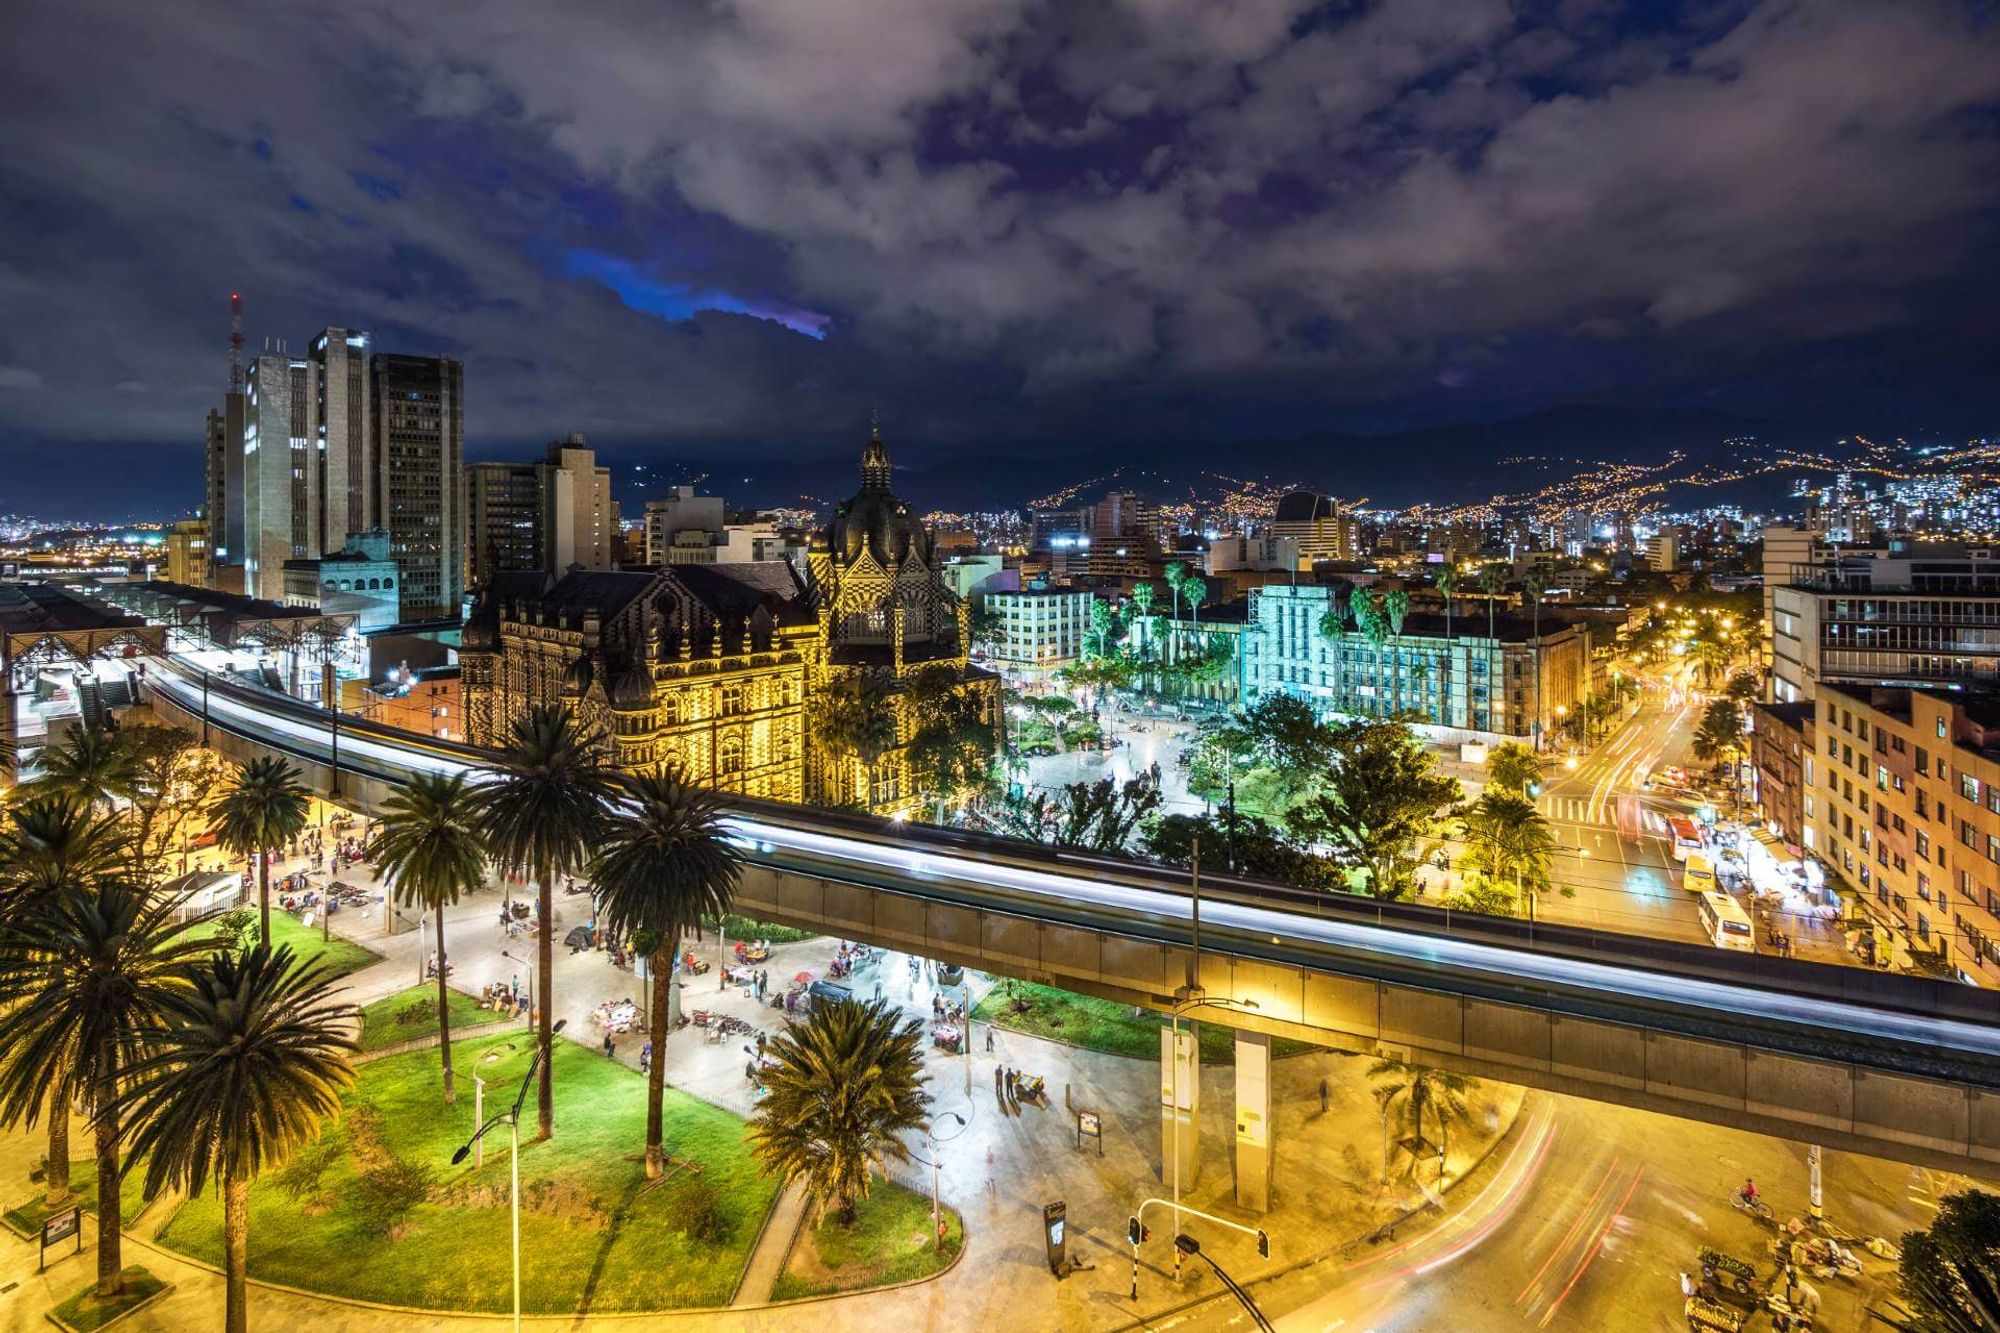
x,y
547,515
280,472
342,441
503,520
410,487
579,517
341,417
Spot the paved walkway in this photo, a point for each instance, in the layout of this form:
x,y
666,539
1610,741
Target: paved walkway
x,y
998,1171
774,1247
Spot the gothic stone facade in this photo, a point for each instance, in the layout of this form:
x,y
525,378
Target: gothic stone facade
x,y
884,611
704,667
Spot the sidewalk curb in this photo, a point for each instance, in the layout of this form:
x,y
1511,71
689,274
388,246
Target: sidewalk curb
x,y
1504,1136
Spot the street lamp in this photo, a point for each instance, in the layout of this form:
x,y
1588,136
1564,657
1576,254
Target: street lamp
x,y
513,1118
931,1142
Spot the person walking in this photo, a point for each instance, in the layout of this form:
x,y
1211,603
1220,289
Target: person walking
x,y
646,1058
610,1048
999,1080
1325,1096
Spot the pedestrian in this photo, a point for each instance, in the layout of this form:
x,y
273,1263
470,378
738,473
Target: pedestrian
x,y
608,1047
999,1080
1687,1283
1325,1096
878,992
760,1045
1010,1083
989,1039
646,1058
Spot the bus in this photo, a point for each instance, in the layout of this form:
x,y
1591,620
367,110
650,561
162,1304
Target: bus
x,y
1725,921
1684,834
1699,875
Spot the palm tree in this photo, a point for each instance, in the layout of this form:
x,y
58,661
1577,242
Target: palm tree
x,y
1506,838
86,979
1176,575
1446,580
1418,1088
1533,584
1512,766
666,864
257,815
52,845
1492,582
1333,628
844,1089
429,846
543,817
1719,739
254,1056
1395,606
1368,619
96,764
853,717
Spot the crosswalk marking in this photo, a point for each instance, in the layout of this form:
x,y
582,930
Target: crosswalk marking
x,y
1568,809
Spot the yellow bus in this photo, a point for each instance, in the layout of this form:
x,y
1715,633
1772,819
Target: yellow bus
x,y
1698,875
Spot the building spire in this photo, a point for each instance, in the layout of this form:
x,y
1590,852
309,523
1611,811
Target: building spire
x,y
875,469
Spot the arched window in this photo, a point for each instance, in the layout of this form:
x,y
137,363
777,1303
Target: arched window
x,y
388,585
732,700
670,711
730,758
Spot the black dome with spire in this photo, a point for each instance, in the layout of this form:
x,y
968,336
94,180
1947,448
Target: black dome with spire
x,y
875,520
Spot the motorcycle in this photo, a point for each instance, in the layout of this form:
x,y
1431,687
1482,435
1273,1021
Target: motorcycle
x,y
1822,1258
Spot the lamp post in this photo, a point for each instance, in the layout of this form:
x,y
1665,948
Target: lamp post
x,y
513,1118
930,1146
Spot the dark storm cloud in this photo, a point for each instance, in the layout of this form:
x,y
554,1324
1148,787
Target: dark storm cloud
x,y
999,217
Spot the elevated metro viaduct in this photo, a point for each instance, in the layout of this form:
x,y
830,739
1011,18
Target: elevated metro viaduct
x,y
1899,1067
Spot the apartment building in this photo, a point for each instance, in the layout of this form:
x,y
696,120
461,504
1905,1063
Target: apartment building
x,y
1895,613
1038,629
1901,802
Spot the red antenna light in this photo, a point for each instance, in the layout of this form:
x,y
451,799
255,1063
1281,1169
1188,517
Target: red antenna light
x,y
236,342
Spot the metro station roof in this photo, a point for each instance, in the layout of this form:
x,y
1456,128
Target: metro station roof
x,y
227,619
48,623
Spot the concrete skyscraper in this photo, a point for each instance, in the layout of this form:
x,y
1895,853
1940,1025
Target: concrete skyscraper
x,y
547,515
342,441
410,489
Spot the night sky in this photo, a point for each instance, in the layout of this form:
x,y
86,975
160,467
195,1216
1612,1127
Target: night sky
x,y
740,225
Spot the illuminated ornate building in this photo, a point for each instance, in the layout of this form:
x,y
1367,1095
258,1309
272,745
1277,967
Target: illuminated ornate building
x,y
886,620
701,666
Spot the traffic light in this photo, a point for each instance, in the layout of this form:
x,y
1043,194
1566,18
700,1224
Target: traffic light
x,y
1534,789
1132,1232
1187,1244
1263,1244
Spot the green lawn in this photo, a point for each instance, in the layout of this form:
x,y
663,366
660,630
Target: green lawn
x,y
592,1238
342,955
84,1312
28,1218
410,1014
1105,1025
889,1242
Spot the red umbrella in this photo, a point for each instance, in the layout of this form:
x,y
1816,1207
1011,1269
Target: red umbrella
x,y
803,977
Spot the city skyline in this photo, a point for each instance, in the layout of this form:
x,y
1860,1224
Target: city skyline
x,y
1004,227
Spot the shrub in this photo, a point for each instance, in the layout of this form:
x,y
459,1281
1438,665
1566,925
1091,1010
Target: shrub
x,y
386,1192
300,1177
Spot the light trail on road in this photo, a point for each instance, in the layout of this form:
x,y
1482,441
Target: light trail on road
x,y
1057,897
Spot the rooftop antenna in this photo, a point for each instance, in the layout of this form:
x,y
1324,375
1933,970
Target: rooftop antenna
x,y
236,342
